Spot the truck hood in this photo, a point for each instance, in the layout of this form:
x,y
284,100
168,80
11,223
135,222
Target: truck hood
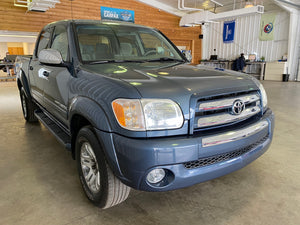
x,y
157,80
176,82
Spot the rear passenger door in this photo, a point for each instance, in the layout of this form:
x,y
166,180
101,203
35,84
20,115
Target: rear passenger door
x,y
56,86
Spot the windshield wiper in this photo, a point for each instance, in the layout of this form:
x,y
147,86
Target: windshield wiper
x,y
116,61
165,59
162,59
134,61
102,62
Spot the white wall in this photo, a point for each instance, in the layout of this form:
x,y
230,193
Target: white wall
x,y
246,38
17,36
3,50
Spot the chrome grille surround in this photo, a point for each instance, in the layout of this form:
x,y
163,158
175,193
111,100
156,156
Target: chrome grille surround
x,y
215,112
228,102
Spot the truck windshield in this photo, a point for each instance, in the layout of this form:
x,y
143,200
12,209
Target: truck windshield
x,y
100,43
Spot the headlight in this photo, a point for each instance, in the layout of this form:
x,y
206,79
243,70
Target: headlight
x,y
147,114
161,114
263,95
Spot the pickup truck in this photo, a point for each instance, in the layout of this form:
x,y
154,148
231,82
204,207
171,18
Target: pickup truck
x,y
134,114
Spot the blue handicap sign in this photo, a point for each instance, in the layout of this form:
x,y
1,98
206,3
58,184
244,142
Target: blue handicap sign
x,y
228,31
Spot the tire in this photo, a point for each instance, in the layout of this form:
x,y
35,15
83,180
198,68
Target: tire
x,y
28,107
99,183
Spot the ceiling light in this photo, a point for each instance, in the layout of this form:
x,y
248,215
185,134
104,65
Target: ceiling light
x,y
248,4
36,5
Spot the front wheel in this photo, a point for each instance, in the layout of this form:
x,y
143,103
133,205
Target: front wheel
x,y
99,183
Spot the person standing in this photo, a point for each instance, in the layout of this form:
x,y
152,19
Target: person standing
x,y
241,63
7,60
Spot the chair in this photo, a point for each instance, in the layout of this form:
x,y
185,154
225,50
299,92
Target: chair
x,y
126,49
88,52
103,51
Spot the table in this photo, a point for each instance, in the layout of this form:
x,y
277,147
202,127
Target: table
x,y
7,65
256,69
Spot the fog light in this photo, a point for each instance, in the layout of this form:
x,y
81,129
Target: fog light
x,y
156,176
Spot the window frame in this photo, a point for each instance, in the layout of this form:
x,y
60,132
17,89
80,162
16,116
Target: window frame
x,y
52,39
159,34
47,29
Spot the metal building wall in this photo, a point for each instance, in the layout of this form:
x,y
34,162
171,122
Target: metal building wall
x,y
246,38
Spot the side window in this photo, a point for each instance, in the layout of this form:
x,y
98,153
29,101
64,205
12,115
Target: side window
x,y
60,41
43,41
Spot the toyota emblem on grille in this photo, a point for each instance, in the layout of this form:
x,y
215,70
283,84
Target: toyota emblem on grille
x,y
238,107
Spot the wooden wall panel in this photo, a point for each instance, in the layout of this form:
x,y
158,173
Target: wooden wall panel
x,y
17,19
16,50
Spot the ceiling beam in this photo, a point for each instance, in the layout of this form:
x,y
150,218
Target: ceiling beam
x,y
291,4
207,16
157,4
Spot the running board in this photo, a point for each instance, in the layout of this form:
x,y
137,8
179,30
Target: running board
x,y
61,136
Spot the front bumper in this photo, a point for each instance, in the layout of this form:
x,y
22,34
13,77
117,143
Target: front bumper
x,y
137,157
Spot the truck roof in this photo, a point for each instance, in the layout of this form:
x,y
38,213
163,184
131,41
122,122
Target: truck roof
x,y
107,22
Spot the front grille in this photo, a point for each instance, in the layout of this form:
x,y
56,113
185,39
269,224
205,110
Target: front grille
x,y
223,157
219,110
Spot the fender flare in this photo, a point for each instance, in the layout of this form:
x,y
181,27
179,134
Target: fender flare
x,y
22,81
90,110
96,116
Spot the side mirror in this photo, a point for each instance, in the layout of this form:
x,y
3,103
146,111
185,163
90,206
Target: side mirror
x,y
188,55
50,56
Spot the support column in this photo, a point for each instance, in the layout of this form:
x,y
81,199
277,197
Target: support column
x,y
25,48
205,44
294,43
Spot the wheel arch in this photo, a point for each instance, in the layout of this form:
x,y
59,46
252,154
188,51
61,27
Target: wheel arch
x,y
85,112
77,122
91,111
22,81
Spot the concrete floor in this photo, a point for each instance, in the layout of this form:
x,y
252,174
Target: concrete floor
x,y
39,182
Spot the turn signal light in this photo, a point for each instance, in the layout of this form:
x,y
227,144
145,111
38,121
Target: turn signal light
x,y
129,114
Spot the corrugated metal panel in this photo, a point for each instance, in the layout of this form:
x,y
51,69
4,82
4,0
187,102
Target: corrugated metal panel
x,y
246,38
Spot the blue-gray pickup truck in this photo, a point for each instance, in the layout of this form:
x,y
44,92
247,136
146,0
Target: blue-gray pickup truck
x,y
123,99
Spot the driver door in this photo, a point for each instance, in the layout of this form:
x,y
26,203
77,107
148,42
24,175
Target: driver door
x,y
56,86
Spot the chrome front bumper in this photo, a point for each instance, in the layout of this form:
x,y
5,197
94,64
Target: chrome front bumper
x,y
234,135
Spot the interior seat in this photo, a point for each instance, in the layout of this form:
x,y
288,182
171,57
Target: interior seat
x,y
103,51
126,49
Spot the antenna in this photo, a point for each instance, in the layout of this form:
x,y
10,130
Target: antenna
x,y
71,8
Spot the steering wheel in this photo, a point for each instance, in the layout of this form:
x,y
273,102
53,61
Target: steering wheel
x,y
151,52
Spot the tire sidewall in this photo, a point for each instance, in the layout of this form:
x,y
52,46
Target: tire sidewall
x,y
86,134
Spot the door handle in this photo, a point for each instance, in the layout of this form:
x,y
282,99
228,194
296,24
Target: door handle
x,y
46,73
30,67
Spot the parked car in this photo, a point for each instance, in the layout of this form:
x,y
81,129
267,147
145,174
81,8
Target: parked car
x,y
123,99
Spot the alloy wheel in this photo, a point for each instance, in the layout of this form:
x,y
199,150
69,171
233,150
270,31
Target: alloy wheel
x,y
89,167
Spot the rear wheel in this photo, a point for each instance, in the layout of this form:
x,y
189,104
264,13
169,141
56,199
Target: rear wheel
x,y
28,107
100,185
